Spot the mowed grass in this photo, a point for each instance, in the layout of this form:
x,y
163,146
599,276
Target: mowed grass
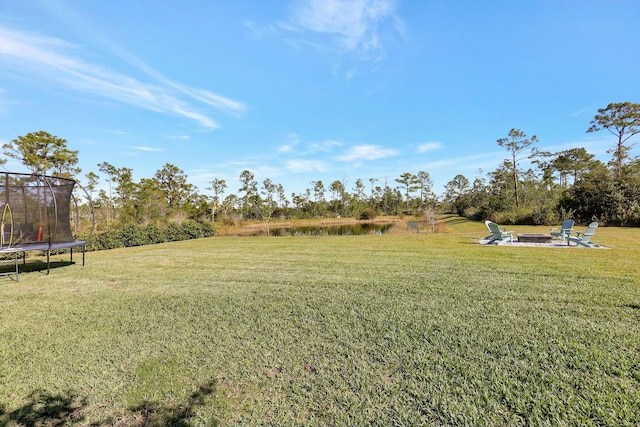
x,y
394,329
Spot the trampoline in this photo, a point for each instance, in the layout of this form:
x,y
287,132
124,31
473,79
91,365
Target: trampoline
x,y
37,216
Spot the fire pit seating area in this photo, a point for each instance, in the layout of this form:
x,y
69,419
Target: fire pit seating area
x,y
534,238
565,229
498,236
564,237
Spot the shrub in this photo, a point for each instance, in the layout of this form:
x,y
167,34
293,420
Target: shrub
x,y
133,235
192,229
207,229
106,240
367,214
545,215
155,234
175,233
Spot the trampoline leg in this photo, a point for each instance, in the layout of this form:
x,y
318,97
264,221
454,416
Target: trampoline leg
x,y
48,259
71,255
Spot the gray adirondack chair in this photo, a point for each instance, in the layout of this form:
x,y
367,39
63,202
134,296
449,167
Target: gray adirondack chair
x,y
565,229
584,239
498,237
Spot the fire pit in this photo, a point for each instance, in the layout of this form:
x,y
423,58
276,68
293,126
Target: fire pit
x,y
534,238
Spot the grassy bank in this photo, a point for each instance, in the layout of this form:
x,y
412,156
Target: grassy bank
x,y
402,329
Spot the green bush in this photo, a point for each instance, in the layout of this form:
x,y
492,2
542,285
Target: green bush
x,y
515,216
155,234
192,229
106,240
545,215
367,214
175,233
207,229
133,235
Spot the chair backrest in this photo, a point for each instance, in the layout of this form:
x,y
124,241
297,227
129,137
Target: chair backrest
x,y
590,231
494,229
567,225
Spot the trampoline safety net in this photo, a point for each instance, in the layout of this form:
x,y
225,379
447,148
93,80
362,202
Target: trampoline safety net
x,y
35,209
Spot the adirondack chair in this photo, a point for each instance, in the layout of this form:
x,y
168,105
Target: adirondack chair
x,y
584,239
499,237
565,229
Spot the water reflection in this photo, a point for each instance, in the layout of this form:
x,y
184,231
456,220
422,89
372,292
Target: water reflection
x,y
327,230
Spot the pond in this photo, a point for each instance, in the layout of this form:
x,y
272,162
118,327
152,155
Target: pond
x,y
326,230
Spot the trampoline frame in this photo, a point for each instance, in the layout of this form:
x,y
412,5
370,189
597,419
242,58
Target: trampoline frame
x,y
44,181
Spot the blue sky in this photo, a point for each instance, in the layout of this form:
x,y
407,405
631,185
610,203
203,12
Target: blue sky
x,y
306,90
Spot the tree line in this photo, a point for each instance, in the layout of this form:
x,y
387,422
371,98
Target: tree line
x,y
549,187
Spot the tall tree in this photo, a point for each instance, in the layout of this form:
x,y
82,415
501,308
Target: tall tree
x,y
516,144
268,205
126,191
623,121
172,181
110,170
425,183
282,197
410,183
358,190
92,182
217,186
43,153
456,193
318,195
372,181
358,197
337,202
250,190
577,161
150,202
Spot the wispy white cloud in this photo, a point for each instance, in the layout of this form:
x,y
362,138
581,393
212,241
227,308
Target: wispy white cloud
x,y
290,145
54,60
263,172
367,152
6,103
259,31
324,146
354,23
359,28
214,100
429,146
180,137
582,112
145,148
295,144
302,165
286,148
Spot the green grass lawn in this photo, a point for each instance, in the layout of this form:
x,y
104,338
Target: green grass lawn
x,y
397,329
